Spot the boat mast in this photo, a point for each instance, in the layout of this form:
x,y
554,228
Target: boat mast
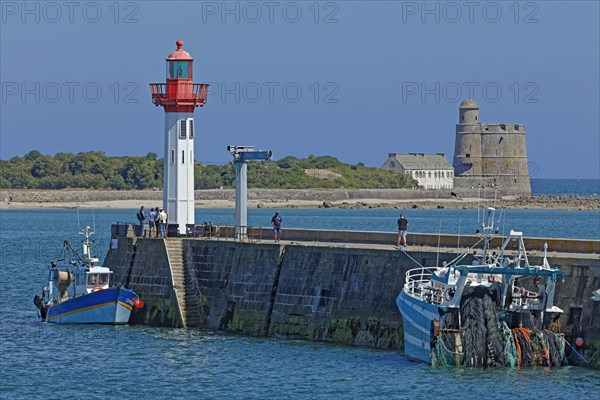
x,y
87,246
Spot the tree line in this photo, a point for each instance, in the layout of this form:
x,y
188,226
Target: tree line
x,y
95,170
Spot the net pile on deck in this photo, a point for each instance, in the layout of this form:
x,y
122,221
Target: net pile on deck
x,y
485,341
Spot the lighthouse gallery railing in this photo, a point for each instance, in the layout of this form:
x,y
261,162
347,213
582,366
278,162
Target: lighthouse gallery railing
x,y
184,94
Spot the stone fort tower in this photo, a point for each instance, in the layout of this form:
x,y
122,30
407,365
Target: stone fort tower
x,y
489,154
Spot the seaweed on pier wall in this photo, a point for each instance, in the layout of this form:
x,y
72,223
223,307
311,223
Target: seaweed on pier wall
x,y
157,312
203,308
373,332
297,327
250,323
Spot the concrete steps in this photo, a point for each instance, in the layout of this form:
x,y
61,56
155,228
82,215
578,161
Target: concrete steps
x,y
175,252
183,283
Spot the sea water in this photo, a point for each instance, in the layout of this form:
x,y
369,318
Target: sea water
x,y
565,187
39,360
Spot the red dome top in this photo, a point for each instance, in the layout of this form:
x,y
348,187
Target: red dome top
x,y
179,54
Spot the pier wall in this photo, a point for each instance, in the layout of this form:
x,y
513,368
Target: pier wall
x,y
338,292
143,264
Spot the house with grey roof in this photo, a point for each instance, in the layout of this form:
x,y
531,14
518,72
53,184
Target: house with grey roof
x,y
432,171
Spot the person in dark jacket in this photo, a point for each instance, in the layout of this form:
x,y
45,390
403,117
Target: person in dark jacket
x,y
276,221
142,217
402,228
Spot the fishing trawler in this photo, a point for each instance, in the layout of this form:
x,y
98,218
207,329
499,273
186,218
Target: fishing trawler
x,y
79,291
491,312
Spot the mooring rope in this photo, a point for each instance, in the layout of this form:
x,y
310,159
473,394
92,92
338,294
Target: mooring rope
x,y
582,357
415,261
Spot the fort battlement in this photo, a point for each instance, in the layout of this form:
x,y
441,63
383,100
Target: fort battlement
x,y
503,128
490,154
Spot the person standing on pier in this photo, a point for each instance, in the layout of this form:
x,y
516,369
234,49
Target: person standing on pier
x,y
152,222
143,218
163,218
157,222
402,228
276,221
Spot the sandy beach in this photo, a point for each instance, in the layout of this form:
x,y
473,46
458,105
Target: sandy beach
x,y
268,198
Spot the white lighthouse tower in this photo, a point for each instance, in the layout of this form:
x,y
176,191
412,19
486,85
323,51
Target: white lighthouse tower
x,y
179,96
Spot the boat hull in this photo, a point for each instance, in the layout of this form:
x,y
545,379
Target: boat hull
x,y
416,318
109,306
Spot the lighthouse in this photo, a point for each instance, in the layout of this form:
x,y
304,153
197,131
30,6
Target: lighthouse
x,y
179,96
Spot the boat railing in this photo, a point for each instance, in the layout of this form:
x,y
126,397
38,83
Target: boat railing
x,y
418,284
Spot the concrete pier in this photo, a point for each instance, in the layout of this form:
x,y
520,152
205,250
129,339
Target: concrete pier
x,y
337,286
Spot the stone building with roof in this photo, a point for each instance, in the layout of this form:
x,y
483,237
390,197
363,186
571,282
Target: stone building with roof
x,y
490,154
432,171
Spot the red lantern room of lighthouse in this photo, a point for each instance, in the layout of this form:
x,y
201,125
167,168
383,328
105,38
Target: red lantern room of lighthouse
x,y
179,96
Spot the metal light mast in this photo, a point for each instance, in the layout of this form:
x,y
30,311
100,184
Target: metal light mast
x,y
241,155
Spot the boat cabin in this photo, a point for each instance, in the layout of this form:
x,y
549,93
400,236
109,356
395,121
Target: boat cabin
x,y
66,283
96,278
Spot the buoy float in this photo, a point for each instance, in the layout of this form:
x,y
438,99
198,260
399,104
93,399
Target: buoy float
x,y
579,342
138,303
97,288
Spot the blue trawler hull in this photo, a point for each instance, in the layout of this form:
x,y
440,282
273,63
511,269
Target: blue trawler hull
x,y
417,317
109,306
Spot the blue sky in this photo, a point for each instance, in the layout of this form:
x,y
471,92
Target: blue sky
x,y
351,79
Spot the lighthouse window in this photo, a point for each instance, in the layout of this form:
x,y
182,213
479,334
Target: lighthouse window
x,y
172,156
178,69
191,128
183,156
182,129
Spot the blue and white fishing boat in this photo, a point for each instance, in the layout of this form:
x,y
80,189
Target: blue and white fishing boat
x,y
80,292
432,299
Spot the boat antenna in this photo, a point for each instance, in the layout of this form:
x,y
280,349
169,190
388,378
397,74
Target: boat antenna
x,y
78,223
478,200
87,248
498,223
437,259
496,186
458,239
94,220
